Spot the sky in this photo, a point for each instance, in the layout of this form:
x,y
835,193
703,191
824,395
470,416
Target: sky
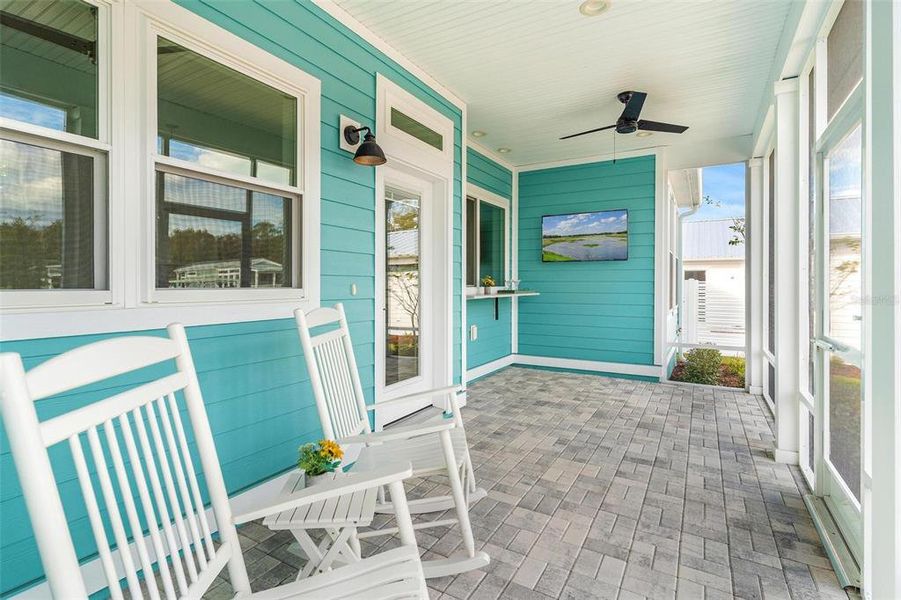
x,y
586,223
725,185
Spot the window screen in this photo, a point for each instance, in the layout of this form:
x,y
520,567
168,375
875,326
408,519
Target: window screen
x,y
221,119
844,55
49,55
51,225
211,235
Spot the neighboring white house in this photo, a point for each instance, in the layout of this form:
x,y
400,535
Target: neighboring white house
x,y
713,297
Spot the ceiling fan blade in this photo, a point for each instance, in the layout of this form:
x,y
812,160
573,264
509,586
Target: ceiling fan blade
x,y
633,107
663,127
566,137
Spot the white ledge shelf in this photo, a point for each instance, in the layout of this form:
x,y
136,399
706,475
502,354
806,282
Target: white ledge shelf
x,y
496,296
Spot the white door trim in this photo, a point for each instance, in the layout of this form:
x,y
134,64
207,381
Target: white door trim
x,y
408,157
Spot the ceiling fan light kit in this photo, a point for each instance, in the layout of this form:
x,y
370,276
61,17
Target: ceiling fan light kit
x,y
628,121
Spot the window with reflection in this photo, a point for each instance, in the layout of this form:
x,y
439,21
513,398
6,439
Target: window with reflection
x,y
225,214
53,206
486,242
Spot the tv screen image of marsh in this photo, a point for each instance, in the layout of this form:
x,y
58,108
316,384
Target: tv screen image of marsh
x,y
585,237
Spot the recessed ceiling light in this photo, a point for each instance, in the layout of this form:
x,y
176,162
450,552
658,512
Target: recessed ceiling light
x,y
478,133
503,150
592,8
643,134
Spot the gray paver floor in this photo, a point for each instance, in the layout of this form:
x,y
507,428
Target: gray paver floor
x,y
612,488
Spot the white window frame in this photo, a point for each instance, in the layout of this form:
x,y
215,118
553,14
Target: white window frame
x,y
128,134
258,71
97,148
482,195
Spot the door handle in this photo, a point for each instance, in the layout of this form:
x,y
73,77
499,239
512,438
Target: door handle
x,y
824,345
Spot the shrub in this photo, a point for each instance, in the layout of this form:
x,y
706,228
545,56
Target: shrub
x,y
736,364
702,365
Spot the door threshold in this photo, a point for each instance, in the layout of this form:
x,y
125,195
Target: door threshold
x,y
847,571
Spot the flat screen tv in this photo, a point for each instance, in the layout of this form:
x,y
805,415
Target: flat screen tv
x,y
590,236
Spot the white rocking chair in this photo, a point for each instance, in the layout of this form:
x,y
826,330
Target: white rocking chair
x,y
159,490
430,447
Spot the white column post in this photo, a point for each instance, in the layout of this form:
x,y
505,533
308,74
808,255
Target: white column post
x,y
754,228
786,233
882,354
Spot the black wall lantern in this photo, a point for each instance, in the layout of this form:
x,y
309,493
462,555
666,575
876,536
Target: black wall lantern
x,y
368,154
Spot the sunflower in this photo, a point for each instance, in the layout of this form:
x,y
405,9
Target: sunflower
x,y
331,449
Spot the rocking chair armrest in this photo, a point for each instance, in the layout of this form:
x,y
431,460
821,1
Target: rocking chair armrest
x,y
346,484
451,389
398,433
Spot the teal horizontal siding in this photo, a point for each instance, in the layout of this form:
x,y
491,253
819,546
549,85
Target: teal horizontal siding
x,y
252,374
495,336
601,311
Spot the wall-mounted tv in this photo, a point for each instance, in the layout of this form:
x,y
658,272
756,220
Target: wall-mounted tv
x,y
576,237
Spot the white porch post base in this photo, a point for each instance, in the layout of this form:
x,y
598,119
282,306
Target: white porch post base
x,y
786,457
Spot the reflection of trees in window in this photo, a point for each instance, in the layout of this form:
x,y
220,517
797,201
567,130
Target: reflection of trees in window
x,y
26,251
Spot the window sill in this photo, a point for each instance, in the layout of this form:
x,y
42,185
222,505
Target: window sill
x,y
40,323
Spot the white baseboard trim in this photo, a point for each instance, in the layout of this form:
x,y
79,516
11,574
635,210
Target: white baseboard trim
x,y
92,571
788,457
489,367
588,365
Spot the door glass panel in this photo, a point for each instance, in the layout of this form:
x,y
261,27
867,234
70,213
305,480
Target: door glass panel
x,y
491,242
844,421
403,292
844,306
844,241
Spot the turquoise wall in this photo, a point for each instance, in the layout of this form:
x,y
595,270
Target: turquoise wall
x,y
602,311
494,335
252,374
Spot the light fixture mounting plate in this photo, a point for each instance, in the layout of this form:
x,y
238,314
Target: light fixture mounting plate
x,y
346,142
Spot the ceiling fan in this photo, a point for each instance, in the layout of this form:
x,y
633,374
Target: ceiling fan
x,y
628,122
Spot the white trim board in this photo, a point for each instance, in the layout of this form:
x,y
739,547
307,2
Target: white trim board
x,y
489,367
92,571
570,364
587,365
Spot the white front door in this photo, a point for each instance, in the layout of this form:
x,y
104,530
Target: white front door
x,y
409,276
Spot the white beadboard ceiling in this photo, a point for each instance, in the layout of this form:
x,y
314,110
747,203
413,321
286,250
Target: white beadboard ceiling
x,y
532,71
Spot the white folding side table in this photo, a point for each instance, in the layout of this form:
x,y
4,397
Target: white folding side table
x,y
339,517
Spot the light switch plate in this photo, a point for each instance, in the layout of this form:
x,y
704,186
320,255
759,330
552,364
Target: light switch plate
x,y
342,143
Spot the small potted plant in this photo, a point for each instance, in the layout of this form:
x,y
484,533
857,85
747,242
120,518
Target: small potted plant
x,y
487,283
318,459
